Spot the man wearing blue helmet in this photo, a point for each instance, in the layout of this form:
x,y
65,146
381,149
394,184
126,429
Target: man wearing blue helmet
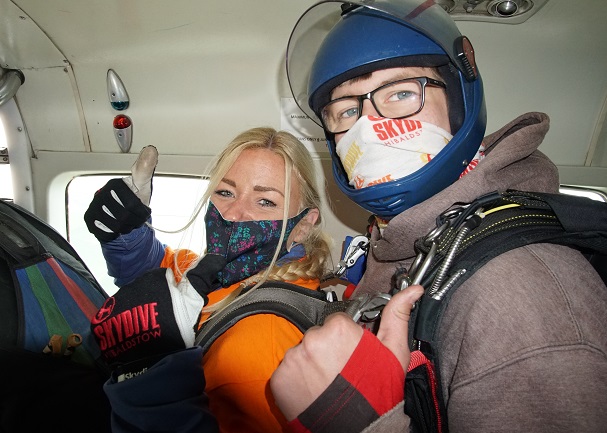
x,y
396,88
429,40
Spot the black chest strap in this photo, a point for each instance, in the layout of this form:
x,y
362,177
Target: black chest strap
x,y
466,237
498,223
302,307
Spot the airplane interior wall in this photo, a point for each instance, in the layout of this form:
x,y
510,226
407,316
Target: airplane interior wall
x,y
197,73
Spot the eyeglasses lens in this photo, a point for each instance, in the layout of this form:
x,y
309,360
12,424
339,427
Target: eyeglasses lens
x,y
394,100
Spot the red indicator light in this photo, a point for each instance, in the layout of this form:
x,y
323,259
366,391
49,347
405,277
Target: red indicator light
x,y
121,121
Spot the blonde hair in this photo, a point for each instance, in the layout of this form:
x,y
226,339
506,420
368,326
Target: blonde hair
x,y
298,161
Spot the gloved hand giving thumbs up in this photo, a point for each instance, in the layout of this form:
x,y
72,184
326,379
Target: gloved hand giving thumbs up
x,y
123,204
153,316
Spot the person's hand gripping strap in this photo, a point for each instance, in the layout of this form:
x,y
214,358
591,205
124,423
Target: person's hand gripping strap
x,y
122,204
341,378
153,316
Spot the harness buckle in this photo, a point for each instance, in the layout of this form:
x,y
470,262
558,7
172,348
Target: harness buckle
x,y
357,248
368,308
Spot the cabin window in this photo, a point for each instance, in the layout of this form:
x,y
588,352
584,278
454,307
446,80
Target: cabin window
x,y
173,202
6,182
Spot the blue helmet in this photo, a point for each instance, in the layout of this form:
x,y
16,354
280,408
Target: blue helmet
x,y
335,41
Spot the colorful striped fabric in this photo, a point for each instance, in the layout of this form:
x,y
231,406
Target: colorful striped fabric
x,y
55,300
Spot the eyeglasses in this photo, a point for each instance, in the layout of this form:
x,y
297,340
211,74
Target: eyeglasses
x,y
402,98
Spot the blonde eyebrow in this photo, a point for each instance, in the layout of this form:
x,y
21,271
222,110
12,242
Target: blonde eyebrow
x,y
257,188
266,189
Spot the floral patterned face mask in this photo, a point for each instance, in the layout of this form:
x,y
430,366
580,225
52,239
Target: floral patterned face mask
x,y
248,246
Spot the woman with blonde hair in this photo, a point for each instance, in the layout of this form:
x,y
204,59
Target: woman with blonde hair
x,y
262,223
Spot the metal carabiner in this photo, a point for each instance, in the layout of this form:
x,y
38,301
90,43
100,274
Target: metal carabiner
x,y
418,269
369,308
421,272
357,248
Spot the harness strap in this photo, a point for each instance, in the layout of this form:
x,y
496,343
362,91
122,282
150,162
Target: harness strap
x,y
576,222
472,234
302,307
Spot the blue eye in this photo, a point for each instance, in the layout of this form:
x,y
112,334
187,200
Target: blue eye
x,y
223,193
403,95
401,91
267,203
341,109
352,112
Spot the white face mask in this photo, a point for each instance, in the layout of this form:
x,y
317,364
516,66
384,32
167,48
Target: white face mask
x,y
377,150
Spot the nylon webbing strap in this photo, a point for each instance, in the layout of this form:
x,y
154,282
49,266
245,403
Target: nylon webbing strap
x,y
576,222
302,307
507,221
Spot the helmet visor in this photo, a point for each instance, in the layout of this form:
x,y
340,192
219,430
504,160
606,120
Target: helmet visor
x,y
309,32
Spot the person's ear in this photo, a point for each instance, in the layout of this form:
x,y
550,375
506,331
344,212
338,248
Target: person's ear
x,y
301,231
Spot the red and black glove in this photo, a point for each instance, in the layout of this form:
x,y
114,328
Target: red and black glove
x,y
153,316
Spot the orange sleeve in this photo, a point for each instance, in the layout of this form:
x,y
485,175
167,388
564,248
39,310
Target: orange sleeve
x,y
178,260
238,367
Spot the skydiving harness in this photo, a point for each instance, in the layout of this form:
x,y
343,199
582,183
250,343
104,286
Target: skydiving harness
x,y
466,236
302,307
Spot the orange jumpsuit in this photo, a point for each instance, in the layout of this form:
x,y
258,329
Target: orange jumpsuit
x,y
239,364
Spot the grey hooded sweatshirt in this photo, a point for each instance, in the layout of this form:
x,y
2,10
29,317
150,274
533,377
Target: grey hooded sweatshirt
x,y
523,341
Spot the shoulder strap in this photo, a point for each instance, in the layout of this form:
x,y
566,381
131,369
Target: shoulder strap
x,y
302,307
466,237
500,222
